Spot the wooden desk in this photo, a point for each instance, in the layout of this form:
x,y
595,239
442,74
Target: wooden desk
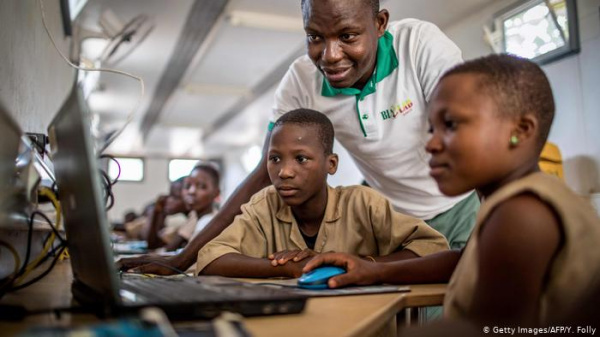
x,y
362,315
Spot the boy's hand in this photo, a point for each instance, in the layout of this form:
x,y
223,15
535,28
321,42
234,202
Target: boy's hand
x,y
282,257
294,269
358,271
151,264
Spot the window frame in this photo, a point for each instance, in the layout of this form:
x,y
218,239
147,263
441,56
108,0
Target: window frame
x,y
143,160
572,45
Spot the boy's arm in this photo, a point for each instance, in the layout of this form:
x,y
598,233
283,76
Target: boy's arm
x,y
156,221
257,180
238,265
434,268
517,245
401,236
402,254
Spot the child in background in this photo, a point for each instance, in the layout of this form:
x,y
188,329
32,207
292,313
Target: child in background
x,y
197,196
533,254
165,216
168,211
200,192
300,216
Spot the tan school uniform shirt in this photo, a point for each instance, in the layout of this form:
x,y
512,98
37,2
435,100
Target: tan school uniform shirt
x,y
358,220
574,270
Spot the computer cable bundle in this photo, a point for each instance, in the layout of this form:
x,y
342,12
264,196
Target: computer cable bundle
x,y
49,240
16,280
130,116
8,280
109,197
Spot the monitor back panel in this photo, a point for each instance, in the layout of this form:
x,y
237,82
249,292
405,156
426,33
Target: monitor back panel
x,y
81,199
9,149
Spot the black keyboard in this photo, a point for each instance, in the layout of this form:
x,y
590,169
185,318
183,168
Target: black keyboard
x,y
191,289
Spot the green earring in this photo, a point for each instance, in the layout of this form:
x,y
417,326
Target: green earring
x,y
514,140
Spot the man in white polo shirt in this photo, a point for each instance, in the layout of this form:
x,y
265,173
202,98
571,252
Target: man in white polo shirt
x,y
378,107
374,85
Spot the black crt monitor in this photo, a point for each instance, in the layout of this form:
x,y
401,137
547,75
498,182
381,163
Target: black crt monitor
x,y
9,150
86,223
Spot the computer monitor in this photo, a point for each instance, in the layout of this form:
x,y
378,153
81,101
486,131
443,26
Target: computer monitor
x,y
86,223
96,284
9,150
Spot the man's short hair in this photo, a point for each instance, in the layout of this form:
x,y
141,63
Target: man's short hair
x,y
314,118
373,4
517,85
210,170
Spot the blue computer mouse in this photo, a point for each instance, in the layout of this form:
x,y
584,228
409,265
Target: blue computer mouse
x,y
317,278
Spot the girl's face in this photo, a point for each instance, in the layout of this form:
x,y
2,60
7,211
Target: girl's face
x,y
199,191
469,142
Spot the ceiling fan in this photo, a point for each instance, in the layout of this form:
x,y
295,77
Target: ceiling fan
x,y
124,38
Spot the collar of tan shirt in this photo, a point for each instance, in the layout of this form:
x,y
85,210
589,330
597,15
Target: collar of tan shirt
x,y
332,214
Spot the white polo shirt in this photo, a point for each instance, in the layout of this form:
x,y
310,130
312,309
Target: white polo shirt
x,y
384,126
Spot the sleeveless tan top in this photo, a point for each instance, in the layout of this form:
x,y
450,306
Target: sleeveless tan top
x,y
575,268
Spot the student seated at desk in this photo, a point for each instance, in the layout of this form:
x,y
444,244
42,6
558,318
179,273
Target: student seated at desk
x,y
198,194
165,216
300,215
534,253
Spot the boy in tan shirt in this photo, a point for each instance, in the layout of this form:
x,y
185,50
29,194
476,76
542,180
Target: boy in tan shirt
x,y
300,216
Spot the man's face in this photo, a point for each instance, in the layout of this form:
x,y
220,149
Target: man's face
x,y
341,39
298,166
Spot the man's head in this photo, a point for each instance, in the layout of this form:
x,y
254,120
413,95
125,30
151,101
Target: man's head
x,y
341,38
300,157
489,119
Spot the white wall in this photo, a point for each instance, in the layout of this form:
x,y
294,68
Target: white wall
x,y
33,83
576,84
34,79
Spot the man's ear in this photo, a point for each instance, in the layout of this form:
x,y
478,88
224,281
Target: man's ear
x,y
381,21
527,128
332,160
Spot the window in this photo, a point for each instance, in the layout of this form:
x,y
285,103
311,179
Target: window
x,y
541,30
181,167
251,158
131,169
70,9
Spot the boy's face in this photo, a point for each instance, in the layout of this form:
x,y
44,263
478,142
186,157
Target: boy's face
x,y
341,39
174,203
297,164
199,191
469,145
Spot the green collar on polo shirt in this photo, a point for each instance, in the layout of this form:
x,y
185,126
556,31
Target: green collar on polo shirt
x,y
386,63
